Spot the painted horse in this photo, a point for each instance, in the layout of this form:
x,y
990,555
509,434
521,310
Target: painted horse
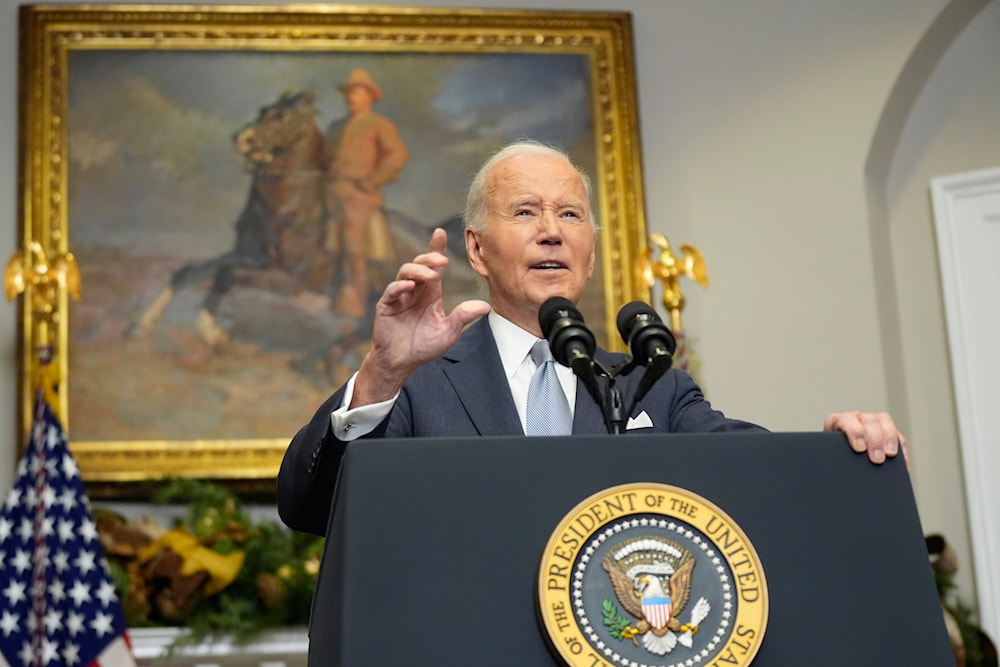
x,y
282,230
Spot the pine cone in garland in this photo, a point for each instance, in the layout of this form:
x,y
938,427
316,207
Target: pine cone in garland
x,y
271,589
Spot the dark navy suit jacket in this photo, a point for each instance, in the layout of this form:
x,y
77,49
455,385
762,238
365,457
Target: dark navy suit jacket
x,y
465,393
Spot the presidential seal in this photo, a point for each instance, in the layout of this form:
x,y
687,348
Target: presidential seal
x,y
650,575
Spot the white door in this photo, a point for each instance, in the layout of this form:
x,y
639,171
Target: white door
x,y
967,215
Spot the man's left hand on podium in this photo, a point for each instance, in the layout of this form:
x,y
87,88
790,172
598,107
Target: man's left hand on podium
x,y
870,432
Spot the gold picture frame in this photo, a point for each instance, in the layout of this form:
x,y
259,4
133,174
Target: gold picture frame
x,y
120,107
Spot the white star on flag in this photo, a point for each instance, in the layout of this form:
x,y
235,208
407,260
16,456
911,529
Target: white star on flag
x,y
61,609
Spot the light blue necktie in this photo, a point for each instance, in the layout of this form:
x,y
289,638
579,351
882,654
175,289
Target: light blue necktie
x,y
548,410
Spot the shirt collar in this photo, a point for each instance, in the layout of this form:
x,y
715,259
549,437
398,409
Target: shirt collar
x,y
513,342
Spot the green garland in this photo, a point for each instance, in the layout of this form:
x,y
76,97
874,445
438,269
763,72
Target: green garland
x,y
273,588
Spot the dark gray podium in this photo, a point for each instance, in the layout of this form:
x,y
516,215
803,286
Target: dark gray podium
x,y
434,545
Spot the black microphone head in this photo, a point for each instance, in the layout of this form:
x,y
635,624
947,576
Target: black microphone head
x,y
554,309
628,320
644,332
568,336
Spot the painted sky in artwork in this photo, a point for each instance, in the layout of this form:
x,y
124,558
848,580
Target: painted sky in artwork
x,y
151,160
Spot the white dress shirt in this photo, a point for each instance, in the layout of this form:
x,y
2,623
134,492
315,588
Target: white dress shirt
x,y
514,345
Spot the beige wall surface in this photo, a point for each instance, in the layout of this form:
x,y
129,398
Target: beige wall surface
x,y
954,128
757,119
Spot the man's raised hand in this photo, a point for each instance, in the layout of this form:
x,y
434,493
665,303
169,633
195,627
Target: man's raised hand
x,y
411,327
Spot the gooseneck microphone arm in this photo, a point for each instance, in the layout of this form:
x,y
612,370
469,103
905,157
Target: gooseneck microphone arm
x,y
650,342
614,408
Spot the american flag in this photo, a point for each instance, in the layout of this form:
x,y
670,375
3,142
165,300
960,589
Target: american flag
x,y
58,605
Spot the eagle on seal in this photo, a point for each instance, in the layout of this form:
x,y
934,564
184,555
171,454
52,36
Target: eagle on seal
x,y
651,578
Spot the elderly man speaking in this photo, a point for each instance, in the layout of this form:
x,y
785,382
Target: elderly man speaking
x,y
531,235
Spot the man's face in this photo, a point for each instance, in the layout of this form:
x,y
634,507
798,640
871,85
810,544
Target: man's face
x,y
539,240
359,98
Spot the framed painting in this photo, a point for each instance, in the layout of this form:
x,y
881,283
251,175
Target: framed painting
x,y
189,157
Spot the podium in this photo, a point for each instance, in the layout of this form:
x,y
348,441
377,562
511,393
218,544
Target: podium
x,y
434,546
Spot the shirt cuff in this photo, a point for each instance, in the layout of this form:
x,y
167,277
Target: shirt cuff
x,y
351,424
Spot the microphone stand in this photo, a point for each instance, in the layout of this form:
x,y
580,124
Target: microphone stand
x,y
612,404
614,409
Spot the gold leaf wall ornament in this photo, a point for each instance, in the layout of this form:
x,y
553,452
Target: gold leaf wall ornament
x,y
42,280
668,268
30,272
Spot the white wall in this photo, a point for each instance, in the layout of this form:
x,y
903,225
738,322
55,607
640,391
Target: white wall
x,y
8,241
757,118
954,128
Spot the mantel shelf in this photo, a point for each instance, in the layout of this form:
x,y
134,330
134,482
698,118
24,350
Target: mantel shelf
x,y
285,647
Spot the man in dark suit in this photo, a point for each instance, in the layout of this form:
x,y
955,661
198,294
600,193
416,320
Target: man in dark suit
x,y
531,235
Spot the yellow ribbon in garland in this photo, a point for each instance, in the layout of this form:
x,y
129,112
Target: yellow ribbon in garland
x,y
195,557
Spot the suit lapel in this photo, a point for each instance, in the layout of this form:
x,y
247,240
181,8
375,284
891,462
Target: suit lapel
x,y
477,375
587,416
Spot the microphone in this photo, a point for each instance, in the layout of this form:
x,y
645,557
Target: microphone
x,y
647,337
572,343
650,342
